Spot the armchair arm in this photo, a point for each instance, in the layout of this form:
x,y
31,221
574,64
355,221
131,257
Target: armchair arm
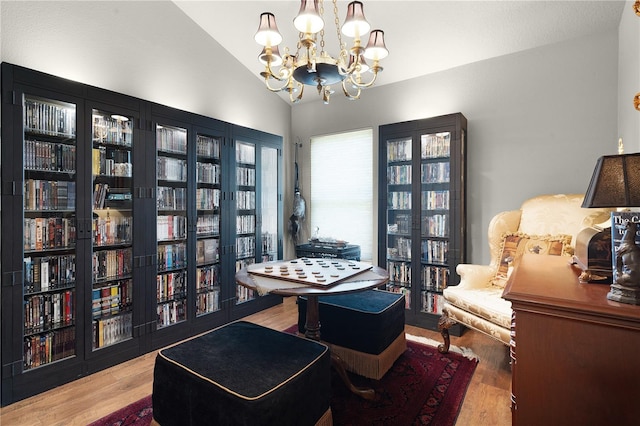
x,y
479,276
474,276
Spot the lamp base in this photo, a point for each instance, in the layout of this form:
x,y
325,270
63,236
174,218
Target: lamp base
x,y
624,294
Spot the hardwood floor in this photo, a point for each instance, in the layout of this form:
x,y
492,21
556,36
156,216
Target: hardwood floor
x,y
92,397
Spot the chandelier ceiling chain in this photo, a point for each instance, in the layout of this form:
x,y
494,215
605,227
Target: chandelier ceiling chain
x,y
336,21
320,69
321,10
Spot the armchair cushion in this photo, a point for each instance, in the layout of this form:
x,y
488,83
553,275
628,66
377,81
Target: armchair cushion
x,y
484,302
514,244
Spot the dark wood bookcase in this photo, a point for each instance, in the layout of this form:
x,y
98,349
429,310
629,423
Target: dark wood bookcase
x,y
123,223
422,212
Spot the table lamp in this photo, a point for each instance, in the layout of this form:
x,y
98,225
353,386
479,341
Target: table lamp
x,y
616,184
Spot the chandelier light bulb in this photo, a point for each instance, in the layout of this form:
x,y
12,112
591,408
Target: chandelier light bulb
x,y
355,25
308,20
376,48
268,34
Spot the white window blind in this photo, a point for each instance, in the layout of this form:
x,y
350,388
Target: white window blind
x,y
342,188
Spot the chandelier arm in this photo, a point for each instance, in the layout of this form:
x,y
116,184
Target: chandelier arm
x,y
361,85
349,95
297,98
284,72
343,59
268,77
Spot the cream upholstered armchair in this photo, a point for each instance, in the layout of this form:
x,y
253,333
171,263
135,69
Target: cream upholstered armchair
x,y
546,225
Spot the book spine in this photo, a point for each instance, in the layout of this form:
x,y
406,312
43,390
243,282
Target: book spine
x,y
620,225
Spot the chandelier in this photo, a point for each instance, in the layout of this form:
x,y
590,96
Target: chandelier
x,y
311,64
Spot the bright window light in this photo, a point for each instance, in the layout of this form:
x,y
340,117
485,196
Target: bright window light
x,y
341,202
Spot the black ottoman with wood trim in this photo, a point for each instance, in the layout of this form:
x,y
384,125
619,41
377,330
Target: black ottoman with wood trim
x,y
243,374
365,329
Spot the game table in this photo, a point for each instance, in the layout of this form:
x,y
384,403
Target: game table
x,y
357,278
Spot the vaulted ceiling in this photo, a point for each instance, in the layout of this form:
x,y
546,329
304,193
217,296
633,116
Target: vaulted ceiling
x,y
423,37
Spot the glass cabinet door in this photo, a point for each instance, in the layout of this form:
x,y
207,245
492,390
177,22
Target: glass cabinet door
x,y
422,213
208,190
49,231
399,194
112,228
434,216
245,196
269,204
171,228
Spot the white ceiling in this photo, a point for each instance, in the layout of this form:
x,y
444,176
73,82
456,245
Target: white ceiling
x,y
423,37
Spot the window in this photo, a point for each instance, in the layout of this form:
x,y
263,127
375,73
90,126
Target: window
x,y
342,188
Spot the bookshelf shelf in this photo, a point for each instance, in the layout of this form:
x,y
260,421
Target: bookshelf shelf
x,y
172,281
422,210
112,227
47,139
209,172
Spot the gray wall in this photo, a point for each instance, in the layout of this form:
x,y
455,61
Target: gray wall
x,y
146,49
537,121
629,78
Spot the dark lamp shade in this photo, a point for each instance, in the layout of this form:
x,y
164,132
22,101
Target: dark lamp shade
x,y
615,182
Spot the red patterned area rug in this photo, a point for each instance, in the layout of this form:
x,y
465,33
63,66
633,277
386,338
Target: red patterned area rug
x,y
139,413
424,387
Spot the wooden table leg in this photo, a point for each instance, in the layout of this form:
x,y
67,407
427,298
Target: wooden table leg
x,y
312,327
338,364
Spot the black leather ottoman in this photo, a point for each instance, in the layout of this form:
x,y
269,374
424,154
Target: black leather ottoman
x,y
365,329
243,374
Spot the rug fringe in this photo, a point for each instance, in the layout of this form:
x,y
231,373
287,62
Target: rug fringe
x,y
465,352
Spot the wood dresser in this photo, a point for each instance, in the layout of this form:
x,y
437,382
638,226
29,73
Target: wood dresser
x,y
575,354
